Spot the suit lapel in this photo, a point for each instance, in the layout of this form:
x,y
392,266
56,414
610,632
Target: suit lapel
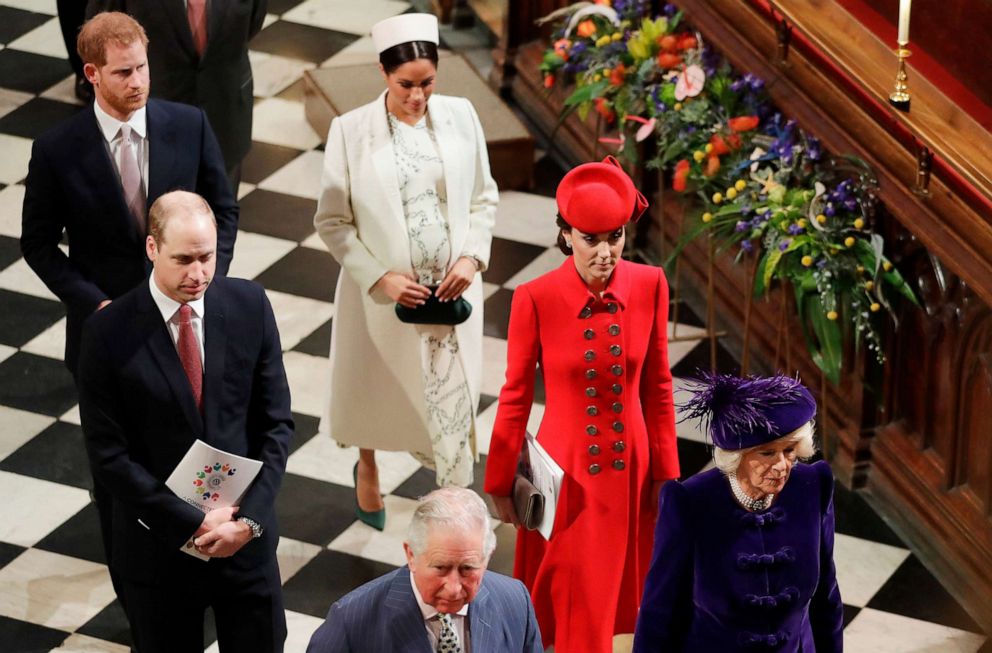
x,y
164,352
449,145
384,162
407,632
96,165
176,10
162,150
215,346
479,628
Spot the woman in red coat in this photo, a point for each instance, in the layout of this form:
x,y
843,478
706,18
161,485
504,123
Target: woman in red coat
x,y
597,327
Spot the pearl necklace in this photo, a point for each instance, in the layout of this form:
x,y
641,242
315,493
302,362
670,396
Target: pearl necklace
x,y
746,501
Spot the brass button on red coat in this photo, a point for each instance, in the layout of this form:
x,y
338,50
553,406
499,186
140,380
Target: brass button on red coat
x,y
617,407
585,313
617,370
589,355
594,449
614,329
615,350
612,308
591,374
592,430
619,465
594,468
618,426
592,411
590,392
588,334
619,446
616,388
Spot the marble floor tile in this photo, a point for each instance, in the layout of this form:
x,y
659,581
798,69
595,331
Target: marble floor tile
x,y
322,459
299,41
32,508
297,317
489,289
309,378
254,252
77,643
244,189
300,177
49,343
30,72
21,278
45,39
273,73
493,365
29,637
313,241
24,317
19,426
873,631
687,338
71,415
11,201
863,567
550,259
293,555
300,629
487,418
14,162
263,159
6,352
526,218
14,23
345,15
281,122
38,6
54,590
689,429
386,546
361,51
64,91
10,100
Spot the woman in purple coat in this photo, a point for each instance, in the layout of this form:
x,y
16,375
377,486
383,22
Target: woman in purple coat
x,y
743,554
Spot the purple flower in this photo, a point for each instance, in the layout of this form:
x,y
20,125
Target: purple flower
x,y
757,83
670,9
829,210
850,204
822,263
795,229
747,246
741,226
784,245
738,85
766,216
813,149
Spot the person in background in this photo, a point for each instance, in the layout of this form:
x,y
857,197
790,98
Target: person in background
x,y
444,599
407,208
597,328
72,15
743,557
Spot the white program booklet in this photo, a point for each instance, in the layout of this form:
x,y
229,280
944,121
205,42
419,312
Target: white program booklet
x,y
547,476
209,478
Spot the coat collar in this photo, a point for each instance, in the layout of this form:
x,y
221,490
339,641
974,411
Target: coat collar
x,y
576,293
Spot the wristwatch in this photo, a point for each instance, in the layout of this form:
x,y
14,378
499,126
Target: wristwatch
x,y
256,528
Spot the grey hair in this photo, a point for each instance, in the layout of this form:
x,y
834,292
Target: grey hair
x,y
728,461
450,508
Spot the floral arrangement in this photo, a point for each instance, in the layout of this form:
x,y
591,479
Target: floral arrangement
x,y
765,188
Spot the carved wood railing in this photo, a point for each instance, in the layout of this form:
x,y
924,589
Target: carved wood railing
x,y
916,435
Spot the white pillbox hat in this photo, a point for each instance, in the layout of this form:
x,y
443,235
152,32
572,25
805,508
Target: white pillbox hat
x,y
403,29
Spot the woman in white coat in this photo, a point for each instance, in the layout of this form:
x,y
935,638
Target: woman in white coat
x,y
407,209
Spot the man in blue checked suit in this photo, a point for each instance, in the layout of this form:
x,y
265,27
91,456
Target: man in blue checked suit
x,y
444,599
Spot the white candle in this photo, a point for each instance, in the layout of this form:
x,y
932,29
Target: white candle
x,y
903,21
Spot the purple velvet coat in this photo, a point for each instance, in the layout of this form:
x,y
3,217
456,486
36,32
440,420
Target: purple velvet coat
x,y
725,579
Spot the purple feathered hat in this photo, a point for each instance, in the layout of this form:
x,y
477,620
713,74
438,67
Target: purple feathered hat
x,y
741,413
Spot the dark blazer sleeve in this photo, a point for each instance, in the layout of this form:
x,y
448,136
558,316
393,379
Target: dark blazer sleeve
x,y
167,516
257,17
826,611
42,223
213,185
332,635
532,635
665,608
270,419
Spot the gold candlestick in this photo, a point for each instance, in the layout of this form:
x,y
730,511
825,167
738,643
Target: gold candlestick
x,y
899,98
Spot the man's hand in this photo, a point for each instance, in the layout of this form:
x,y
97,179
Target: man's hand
x,y
402,289
215,518
457,280
225,540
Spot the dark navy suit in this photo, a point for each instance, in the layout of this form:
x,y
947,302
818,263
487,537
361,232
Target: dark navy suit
x,y
139,418
383,616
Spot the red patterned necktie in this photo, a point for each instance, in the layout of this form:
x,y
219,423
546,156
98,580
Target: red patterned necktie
x,y
189,354
196,13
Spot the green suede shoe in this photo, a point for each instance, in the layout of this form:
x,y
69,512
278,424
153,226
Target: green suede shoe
x,y
377,519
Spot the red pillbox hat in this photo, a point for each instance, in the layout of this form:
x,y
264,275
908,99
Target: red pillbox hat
x,y
599,197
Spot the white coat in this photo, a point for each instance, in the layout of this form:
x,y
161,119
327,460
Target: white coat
x,y
377,387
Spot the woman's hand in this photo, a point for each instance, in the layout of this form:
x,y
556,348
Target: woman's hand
x,y
402,289
505,510
457,280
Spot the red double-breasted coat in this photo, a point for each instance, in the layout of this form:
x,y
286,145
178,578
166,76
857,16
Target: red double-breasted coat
x,y
609,422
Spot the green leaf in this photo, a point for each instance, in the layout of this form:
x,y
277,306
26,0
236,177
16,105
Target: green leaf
x,y
587,93
828,349
894,279
584,110
773,256
760,287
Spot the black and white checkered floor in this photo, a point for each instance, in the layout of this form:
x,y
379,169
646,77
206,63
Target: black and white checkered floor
x,y
55,592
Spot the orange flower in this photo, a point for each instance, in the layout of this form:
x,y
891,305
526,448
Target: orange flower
x,y
669,43
712,165
678,177
668,60
604,110
549,81
605,2
586,29
720,146
734,141
617,75
743,123
561,48
687,42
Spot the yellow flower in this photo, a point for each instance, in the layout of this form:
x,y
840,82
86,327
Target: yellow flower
x,y
875,306
860,269
869,285
831,315
886,266
717,198
708,148
807,260
606,72
740,184
617,36
849,241
821,218
699,155
731,193
603,40
678,106
707,217
859,223
597,77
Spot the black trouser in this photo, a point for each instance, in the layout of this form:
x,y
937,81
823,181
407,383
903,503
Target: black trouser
x,y
72,14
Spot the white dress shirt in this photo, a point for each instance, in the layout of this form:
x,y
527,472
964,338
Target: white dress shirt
x,y
169,308
433,626
110,127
